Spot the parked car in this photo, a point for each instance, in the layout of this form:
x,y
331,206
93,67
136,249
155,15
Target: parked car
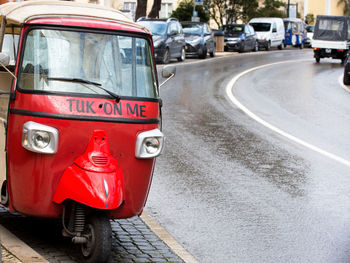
x,y
309,35
269,31
346,77
168,38
199,39
296,34
239,37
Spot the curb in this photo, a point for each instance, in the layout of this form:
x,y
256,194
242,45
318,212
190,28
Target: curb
x,y
18,248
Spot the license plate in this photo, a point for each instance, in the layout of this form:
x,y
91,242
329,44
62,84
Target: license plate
x,y
328,50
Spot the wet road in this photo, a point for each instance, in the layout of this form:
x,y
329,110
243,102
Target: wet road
x,y
230,189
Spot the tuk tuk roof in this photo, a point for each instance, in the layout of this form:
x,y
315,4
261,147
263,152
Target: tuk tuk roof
x,y
17,13
332,28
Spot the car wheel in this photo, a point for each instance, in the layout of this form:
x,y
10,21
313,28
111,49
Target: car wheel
x,y
280,47
256,47
225,48
241,48
212,53
166,57
346,79
204,53
268,46
301,46
183,55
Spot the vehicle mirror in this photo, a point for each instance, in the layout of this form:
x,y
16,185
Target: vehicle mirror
x,y
4,59
168,71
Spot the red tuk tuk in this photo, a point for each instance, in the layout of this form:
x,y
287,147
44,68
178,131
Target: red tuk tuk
x,y
80,117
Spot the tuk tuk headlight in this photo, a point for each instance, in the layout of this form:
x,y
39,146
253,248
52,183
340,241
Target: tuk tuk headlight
x,y
39,138
149,144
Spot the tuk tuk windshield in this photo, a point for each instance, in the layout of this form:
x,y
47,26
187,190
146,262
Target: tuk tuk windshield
x,y
87,62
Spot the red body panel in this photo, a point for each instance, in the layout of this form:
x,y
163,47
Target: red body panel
x,y
94,179
33,177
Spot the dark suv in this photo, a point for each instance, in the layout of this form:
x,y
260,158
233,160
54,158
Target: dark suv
x,y
168,38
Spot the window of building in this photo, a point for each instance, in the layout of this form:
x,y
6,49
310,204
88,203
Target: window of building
x,y
166,10
131,6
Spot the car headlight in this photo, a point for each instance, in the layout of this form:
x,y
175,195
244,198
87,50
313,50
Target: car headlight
x,y
233,39
158,43
149,144
194,42
39,138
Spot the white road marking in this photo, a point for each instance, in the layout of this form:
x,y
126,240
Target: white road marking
x,y
229,92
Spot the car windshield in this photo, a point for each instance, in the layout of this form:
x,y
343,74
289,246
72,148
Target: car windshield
x,y
156,27
192,29
233,30
261,27
310,29
86,62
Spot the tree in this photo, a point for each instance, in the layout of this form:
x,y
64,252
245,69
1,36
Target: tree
x,y
229,11
184,11
141,9
271,8
346,4
309,19
154,13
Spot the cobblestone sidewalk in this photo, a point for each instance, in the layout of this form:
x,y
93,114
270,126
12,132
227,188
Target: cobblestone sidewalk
x,y
133,241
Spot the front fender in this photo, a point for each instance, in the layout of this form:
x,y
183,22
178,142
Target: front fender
x,y
94,189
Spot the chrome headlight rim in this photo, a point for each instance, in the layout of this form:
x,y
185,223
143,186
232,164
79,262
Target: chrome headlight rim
x,y
142,151
39,138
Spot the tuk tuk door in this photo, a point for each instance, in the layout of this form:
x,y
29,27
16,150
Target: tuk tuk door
x,y
10,43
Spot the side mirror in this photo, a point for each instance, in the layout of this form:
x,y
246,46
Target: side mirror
x,y
168,72
4,59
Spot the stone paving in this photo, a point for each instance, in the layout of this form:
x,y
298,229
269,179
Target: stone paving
x,y
133,241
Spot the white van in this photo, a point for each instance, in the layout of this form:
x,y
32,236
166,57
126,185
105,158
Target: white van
x,y
269,31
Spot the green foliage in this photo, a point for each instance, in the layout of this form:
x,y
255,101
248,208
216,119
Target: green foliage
x,y
310,19
229,11
184,11
271,8
346,4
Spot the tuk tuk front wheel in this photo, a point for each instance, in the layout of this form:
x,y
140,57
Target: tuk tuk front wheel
x,y
99,239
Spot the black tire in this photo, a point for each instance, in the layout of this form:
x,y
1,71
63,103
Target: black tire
x,y
166,56
212,53
280,47
99,233
183,55
346,79
242,48
204,53
225,48
256,47
301,46
318,59
268,46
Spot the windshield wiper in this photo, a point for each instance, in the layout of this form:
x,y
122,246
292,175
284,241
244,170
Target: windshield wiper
x,y
96,84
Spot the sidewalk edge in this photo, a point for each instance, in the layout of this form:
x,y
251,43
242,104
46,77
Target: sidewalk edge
x,y
179,250
18,248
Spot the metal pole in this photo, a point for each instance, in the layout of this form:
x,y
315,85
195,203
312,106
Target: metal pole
x,y
288,8
194,10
